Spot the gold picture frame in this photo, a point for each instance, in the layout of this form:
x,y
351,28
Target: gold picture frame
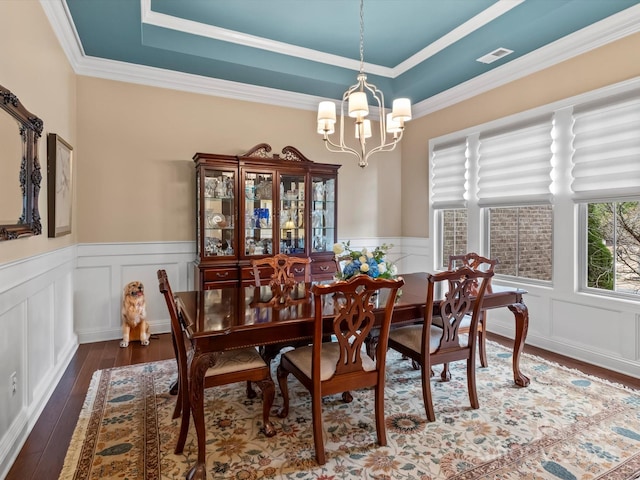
x,y
59,185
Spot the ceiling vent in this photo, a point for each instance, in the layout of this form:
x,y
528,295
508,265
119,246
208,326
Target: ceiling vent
x,y
497,54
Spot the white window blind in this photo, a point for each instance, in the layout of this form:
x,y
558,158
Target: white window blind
x,y
514,167
606,159
448,172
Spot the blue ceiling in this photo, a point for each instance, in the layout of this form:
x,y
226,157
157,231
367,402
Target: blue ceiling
x,y
414,48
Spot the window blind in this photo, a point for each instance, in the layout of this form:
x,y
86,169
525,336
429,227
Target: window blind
x,y
448,173
514,167
606,159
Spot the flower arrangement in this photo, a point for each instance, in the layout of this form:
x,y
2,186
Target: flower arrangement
x,y
364,262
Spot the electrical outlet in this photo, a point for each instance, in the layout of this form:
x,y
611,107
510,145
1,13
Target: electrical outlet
x,y
13,382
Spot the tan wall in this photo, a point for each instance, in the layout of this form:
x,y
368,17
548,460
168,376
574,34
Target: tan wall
x,y
604,66
136,174
36,70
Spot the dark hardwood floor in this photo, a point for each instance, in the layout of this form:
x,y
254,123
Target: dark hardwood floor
x,y
42,456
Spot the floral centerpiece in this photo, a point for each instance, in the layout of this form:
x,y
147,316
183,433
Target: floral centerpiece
x,y
363,262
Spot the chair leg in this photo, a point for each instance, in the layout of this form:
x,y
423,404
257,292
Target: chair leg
x,y
471,382
381,429
445,376
268,394
174,388
426,393
251,393
316,409
482,339
178,408
184,424
284,389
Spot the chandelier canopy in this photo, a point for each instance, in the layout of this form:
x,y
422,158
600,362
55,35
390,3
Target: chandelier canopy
x,y
357,98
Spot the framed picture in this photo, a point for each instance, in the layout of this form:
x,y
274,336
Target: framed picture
x,y
59,185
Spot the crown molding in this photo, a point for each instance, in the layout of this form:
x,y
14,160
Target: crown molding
x,y
617,26
162,20
614,28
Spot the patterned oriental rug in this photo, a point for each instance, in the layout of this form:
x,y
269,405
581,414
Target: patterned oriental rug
x,y
565,425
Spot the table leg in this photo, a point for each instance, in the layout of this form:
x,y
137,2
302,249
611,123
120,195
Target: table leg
x,y
521,314
199,366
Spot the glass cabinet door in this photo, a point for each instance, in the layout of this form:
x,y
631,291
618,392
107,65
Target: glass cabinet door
x,y
219,212
258,213
292,214
323,214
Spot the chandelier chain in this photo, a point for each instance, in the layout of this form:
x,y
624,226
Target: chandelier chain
x,y
361,36
356,100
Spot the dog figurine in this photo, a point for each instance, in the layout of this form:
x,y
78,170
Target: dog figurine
x,y
134,315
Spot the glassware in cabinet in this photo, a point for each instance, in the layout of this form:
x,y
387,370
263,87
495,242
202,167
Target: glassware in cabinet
x,y
218,215
323,213
293,213
258,213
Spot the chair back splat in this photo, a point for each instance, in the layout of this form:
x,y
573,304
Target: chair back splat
x,y
285,270
346,310
474,262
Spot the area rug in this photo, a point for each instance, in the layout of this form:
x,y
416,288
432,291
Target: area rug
x,y
565,425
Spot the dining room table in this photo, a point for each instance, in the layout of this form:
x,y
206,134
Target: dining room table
x,y
240,316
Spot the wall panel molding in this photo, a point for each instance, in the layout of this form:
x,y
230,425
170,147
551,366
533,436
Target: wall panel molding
x,y
36,296
104,269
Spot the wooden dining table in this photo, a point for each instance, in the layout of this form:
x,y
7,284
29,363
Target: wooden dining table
x,y
241,316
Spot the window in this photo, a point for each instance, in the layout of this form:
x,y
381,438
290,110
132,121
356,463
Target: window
x,y
453,228
521,239
613,246
449,199
514,187
605,182
522,177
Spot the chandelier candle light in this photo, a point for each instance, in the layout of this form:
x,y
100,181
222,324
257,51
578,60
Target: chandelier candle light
x,y
357,98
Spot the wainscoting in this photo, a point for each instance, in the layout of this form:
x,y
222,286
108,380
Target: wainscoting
x,y
52,302
600,331
102,272
37,341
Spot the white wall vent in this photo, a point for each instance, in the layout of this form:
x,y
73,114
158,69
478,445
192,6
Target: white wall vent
x,y
497,54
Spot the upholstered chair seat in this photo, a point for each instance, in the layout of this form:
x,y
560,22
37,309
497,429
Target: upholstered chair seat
x,y
330,354
411,337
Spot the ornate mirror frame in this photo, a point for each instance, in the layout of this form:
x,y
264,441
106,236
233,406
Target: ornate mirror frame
x,y
30,129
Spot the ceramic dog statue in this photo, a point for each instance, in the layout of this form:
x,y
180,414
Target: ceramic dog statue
x,y
134,315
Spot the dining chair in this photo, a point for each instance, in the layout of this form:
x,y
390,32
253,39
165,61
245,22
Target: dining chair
x,y
475,262
428,345
327,368
230,367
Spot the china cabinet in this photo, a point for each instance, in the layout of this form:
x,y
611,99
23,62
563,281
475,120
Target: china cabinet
x,y
259,204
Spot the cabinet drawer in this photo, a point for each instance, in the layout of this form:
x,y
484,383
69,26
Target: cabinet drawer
x,y
323,268
215,285
246,273
220,274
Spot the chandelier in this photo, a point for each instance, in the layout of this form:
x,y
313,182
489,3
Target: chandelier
x,y
357,99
